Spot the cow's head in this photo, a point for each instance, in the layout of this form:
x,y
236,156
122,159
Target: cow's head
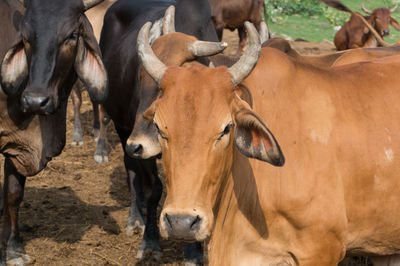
x,y
201,119
381,18
174,49
55,43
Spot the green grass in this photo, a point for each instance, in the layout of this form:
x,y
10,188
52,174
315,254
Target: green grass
x,y
318,28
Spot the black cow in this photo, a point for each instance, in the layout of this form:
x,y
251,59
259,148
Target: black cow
x,y
128,97
52,43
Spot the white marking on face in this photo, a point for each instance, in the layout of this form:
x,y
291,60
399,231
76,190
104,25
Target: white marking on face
x,y
389,154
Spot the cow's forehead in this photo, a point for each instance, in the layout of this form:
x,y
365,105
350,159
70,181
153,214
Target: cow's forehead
x,y
194,94
50,11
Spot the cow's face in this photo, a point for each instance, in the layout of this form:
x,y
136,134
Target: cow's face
x,y
381,19
174,49
56,42
201,119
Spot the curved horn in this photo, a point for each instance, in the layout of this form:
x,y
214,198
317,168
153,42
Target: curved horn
x,y
169,21
366,10
263,32
394,8
243,67
202,48
91,3
150,61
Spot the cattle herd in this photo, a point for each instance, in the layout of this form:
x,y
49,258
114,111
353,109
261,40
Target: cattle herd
x,y
268,157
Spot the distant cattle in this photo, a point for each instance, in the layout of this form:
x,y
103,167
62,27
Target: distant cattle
x,y
356,34
131,92
232,14
44,48
338,190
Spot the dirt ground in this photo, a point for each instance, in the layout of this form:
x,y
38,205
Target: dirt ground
x,y
74,211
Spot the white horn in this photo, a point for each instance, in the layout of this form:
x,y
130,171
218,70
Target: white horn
x,y
150,61
169,21
264,32
366,10
394,8
243,67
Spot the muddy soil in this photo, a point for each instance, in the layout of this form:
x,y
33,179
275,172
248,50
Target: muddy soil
x,y
74,212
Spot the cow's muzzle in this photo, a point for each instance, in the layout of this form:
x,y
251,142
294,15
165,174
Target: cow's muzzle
x,y
386,32
182,227
37,104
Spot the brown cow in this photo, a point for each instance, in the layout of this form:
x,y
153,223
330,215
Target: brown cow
x,y
354,33
232,14
338,128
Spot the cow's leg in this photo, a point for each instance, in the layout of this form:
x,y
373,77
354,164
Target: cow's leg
x,y
135,220
11,244
193,253
96,121
101,154
151,237
242,39
77,135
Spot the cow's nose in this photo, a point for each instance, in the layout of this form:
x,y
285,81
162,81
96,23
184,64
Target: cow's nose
x,y
182,227
37,104
134,150
386,32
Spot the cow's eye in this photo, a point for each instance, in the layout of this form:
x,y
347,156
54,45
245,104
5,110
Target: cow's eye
x,y
73,36
226,131
162,135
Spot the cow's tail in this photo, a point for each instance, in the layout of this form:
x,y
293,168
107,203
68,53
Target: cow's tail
x,y
337,5
340,6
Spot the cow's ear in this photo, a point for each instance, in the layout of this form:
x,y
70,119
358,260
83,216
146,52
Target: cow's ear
x,y
14,69
394,23
254,140
89,65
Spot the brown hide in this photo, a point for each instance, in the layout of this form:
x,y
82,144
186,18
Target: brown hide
x,y
338,190
232,14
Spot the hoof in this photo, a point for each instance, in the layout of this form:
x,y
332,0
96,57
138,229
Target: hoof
x,y
77,137
141,254
149,249
136,228
101,158
22,260
77,143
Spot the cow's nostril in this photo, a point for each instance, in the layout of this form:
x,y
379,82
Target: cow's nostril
x,y
134,150
168,222
196,224
44,102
